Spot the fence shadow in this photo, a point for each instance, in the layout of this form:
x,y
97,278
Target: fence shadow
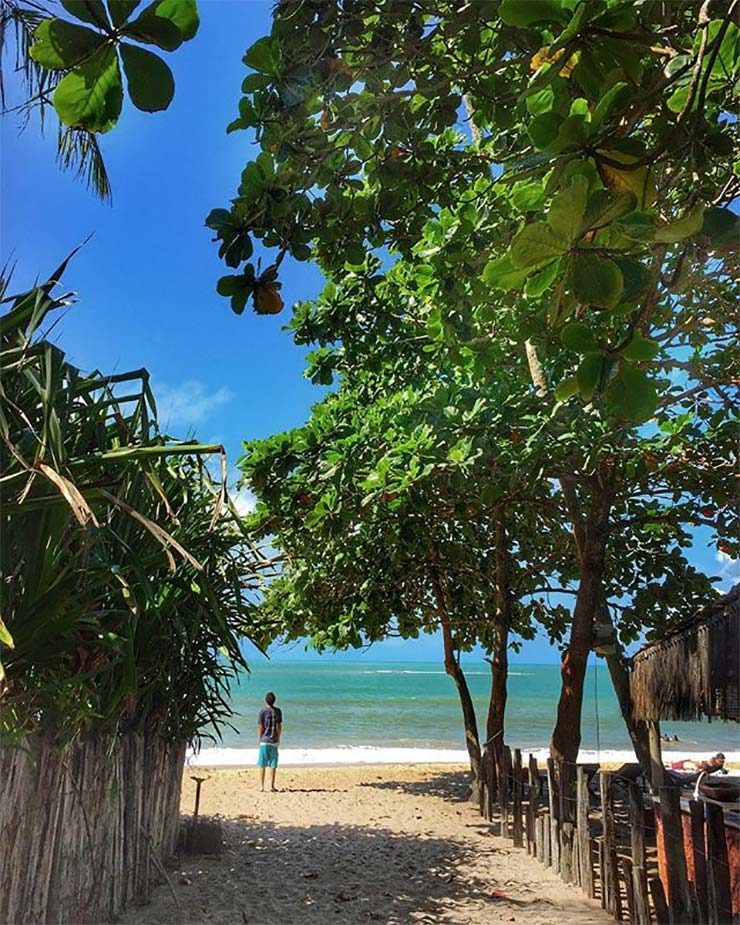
x,y
316,874
450,785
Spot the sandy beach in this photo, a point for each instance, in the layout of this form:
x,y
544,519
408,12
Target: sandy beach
x,y
395,844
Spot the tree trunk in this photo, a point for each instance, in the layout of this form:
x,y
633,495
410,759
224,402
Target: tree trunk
x,y
454,670
500,653
566,737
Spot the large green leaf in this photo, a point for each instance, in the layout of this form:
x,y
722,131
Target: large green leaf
x,y
636,277
91,96
541,281
502,274
92,11
149,79
578,336
565,215
722,227
596,280
524,13
536,244
165,23
588,374
641,348
263,57
684,227
604,206
120,10
631,395
59,45
615,97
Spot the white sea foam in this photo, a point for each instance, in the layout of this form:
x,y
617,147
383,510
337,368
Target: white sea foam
x,y
371,754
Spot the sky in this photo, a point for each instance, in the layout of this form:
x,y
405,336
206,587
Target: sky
x,y
146,279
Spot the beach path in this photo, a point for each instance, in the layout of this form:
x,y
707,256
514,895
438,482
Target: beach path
x,y
393,844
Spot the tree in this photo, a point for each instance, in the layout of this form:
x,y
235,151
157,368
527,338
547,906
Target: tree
x,y
588,222
77,68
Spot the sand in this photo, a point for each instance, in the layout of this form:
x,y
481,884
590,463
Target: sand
x,y
354,845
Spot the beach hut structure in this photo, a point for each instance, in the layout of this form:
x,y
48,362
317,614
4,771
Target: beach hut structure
x,y
692,671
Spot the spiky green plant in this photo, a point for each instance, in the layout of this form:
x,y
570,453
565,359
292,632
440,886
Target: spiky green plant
x,y
126,574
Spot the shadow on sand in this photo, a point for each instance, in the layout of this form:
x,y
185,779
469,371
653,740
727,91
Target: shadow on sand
x,y
450,785
316,874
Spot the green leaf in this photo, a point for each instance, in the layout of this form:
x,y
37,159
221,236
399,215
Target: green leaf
x,y
543,129
721,226
578,337
91,96
541,281
641,348
150,82
566,389
5,638
524,13
59,45
565,215
263,56
636,277
502,274
528,195
536,244
690,224
613,98
604,207
638,226
160,23
588,375
631,395
596,280
120,10
92,11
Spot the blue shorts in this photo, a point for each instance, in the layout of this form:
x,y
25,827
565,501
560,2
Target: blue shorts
x,y
267,757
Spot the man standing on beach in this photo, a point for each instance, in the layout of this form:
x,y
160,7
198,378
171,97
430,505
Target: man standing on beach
x,y
269,727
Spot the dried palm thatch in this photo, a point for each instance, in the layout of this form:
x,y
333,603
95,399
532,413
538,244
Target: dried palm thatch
x,y
693,671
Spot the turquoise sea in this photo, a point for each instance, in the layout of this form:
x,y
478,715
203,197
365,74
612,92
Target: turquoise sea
x,y
413,707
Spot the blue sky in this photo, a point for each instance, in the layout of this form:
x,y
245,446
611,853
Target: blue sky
x,y
146,280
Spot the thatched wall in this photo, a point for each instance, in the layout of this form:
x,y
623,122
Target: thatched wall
x,y
695,670
79,825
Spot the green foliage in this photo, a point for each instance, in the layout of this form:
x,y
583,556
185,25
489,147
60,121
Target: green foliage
x,y
126,570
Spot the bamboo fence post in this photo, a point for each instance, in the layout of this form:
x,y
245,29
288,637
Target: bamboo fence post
x,y
641,913
679,900
532,807
517,829
585,855
567,814
718,869
699,857
610,883
659,902
554,803
504,783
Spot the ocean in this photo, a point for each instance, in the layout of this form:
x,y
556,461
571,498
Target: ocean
x,y
354,712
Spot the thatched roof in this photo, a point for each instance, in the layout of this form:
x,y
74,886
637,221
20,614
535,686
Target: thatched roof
x,y
694,670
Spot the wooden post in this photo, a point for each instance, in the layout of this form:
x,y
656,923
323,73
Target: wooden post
x,y
533,806
567,815
657,777
679,901
610,884
629,892
554,802
585,857
504,782
699,857
659,904
546,839
641,912
517,828
718,869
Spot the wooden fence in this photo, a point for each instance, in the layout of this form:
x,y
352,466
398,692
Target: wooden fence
x,y
82,828
613,840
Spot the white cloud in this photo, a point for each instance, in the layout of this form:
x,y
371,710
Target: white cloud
x,y
244,501
729,568
188,403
